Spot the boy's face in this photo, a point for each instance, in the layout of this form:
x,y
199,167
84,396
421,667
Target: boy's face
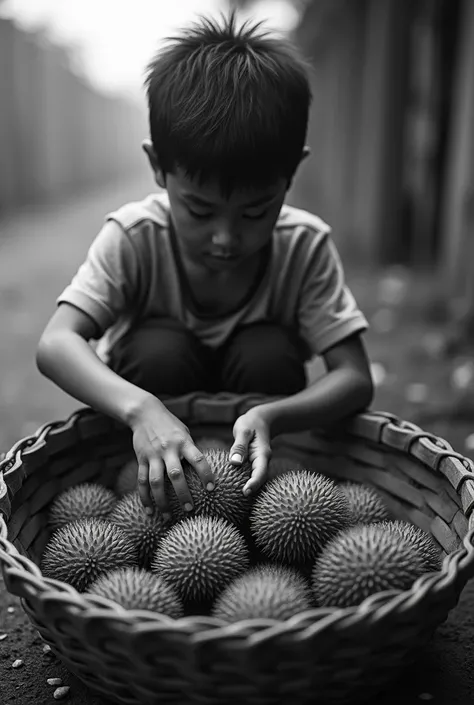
x,y
218,232
222,232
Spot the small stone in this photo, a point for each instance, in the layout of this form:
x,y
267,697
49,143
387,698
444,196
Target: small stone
x,y
434,344
392,288
47,649
383,320
17,663
416,393
3,636
61,692
54,681
463,375
10,610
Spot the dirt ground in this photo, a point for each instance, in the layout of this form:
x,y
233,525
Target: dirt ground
x,y
41,247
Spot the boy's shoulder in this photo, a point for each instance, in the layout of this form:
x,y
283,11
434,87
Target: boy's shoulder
x,y
299,223
155,208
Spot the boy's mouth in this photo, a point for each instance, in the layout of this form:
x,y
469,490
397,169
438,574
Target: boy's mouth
x,y
225,256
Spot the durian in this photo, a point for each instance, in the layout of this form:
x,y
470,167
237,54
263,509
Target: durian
x,y
423,541
266,591
79,552
144,531
366,505
361,561
82,501
226,500
137,589
295,515
200,556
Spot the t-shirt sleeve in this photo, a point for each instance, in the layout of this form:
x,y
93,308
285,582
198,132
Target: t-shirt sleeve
x,y
327,310
104,286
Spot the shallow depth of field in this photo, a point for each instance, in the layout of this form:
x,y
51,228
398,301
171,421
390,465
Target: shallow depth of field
x,y
396,183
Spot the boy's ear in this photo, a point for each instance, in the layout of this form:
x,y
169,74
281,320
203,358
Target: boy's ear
x,y
305,153
155,166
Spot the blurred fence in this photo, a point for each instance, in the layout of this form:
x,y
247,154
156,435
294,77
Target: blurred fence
x,y
58,134
392,132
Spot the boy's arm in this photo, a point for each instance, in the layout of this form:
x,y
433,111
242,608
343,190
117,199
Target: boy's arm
x,y
346,389
160,440
65,357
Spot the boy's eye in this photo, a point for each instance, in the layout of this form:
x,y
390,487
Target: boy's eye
x,y
256,215
197,214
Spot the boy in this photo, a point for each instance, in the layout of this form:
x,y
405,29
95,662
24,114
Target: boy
x,y
213,284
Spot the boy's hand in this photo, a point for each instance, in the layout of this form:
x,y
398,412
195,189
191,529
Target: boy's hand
x,y
252,440
160,441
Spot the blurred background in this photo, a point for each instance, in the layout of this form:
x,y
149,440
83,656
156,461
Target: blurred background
x,y
392,170
392,140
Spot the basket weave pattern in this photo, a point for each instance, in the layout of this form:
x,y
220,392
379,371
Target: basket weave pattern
x,y
332,655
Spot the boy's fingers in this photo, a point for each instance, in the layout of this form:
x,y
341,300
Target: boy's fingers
x,y
175,473
156,476
262,455
196,458
239,449
144,486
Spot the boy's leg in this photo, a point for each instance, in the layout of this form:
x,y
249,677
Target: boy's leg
x,y
263,358
164,358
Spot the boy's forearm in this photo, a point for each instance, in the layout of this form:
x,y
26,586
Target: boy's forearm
x,y
70,362
337,395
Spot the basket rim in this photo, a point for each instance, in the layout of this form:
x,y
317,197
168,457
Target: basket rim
x,y
379,426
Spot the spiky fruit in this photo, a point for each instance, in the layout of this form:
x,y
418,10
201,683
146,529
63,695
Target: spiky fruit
x,y
127,478
423,541
144,531
280,465
226,500
78,553
200,556
295,515
364,560
266,591
137,589
80,502
366,505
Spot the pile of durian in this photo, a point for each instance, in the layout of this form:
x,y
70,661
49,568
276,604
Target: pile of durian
x,y
304,541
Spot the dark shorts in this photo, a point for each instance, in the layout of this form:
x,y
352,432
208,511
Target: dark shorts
x,y
165,358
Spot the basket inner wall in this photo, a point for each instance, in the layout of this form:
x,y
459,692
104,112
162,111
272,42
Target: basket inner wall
x,y
411,490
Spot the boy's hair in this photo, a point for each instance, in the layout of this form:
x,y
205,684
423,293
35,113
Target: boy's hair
x,y
228,103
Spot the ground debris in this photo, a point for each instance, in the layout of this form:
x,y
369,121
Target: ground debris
x,y
54,681
16,664
3,636
61,692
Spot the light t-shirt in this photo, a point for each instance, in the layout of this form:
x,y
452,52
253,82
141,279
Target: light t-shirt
x,y
132,272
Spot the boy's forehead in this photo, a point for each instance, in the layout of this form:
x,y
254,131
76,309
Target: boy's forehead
x,y
212,192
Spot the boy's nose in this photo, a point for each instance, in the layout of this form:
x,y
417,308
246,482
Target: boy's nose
x,y
225,238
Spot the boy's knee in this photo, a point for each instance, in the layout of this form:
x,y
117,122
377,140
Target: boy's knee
x,y
263,358
163,357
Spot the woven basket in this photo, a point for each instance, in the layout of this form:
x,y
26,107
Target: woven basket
x,y
323,655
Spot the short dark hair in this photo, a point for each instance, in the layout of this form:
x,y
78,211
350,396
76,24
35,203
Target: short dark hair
x,y
228,103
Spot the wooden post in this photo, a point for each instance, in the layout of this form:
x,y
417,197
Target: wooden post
x,y
378,220
457,244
